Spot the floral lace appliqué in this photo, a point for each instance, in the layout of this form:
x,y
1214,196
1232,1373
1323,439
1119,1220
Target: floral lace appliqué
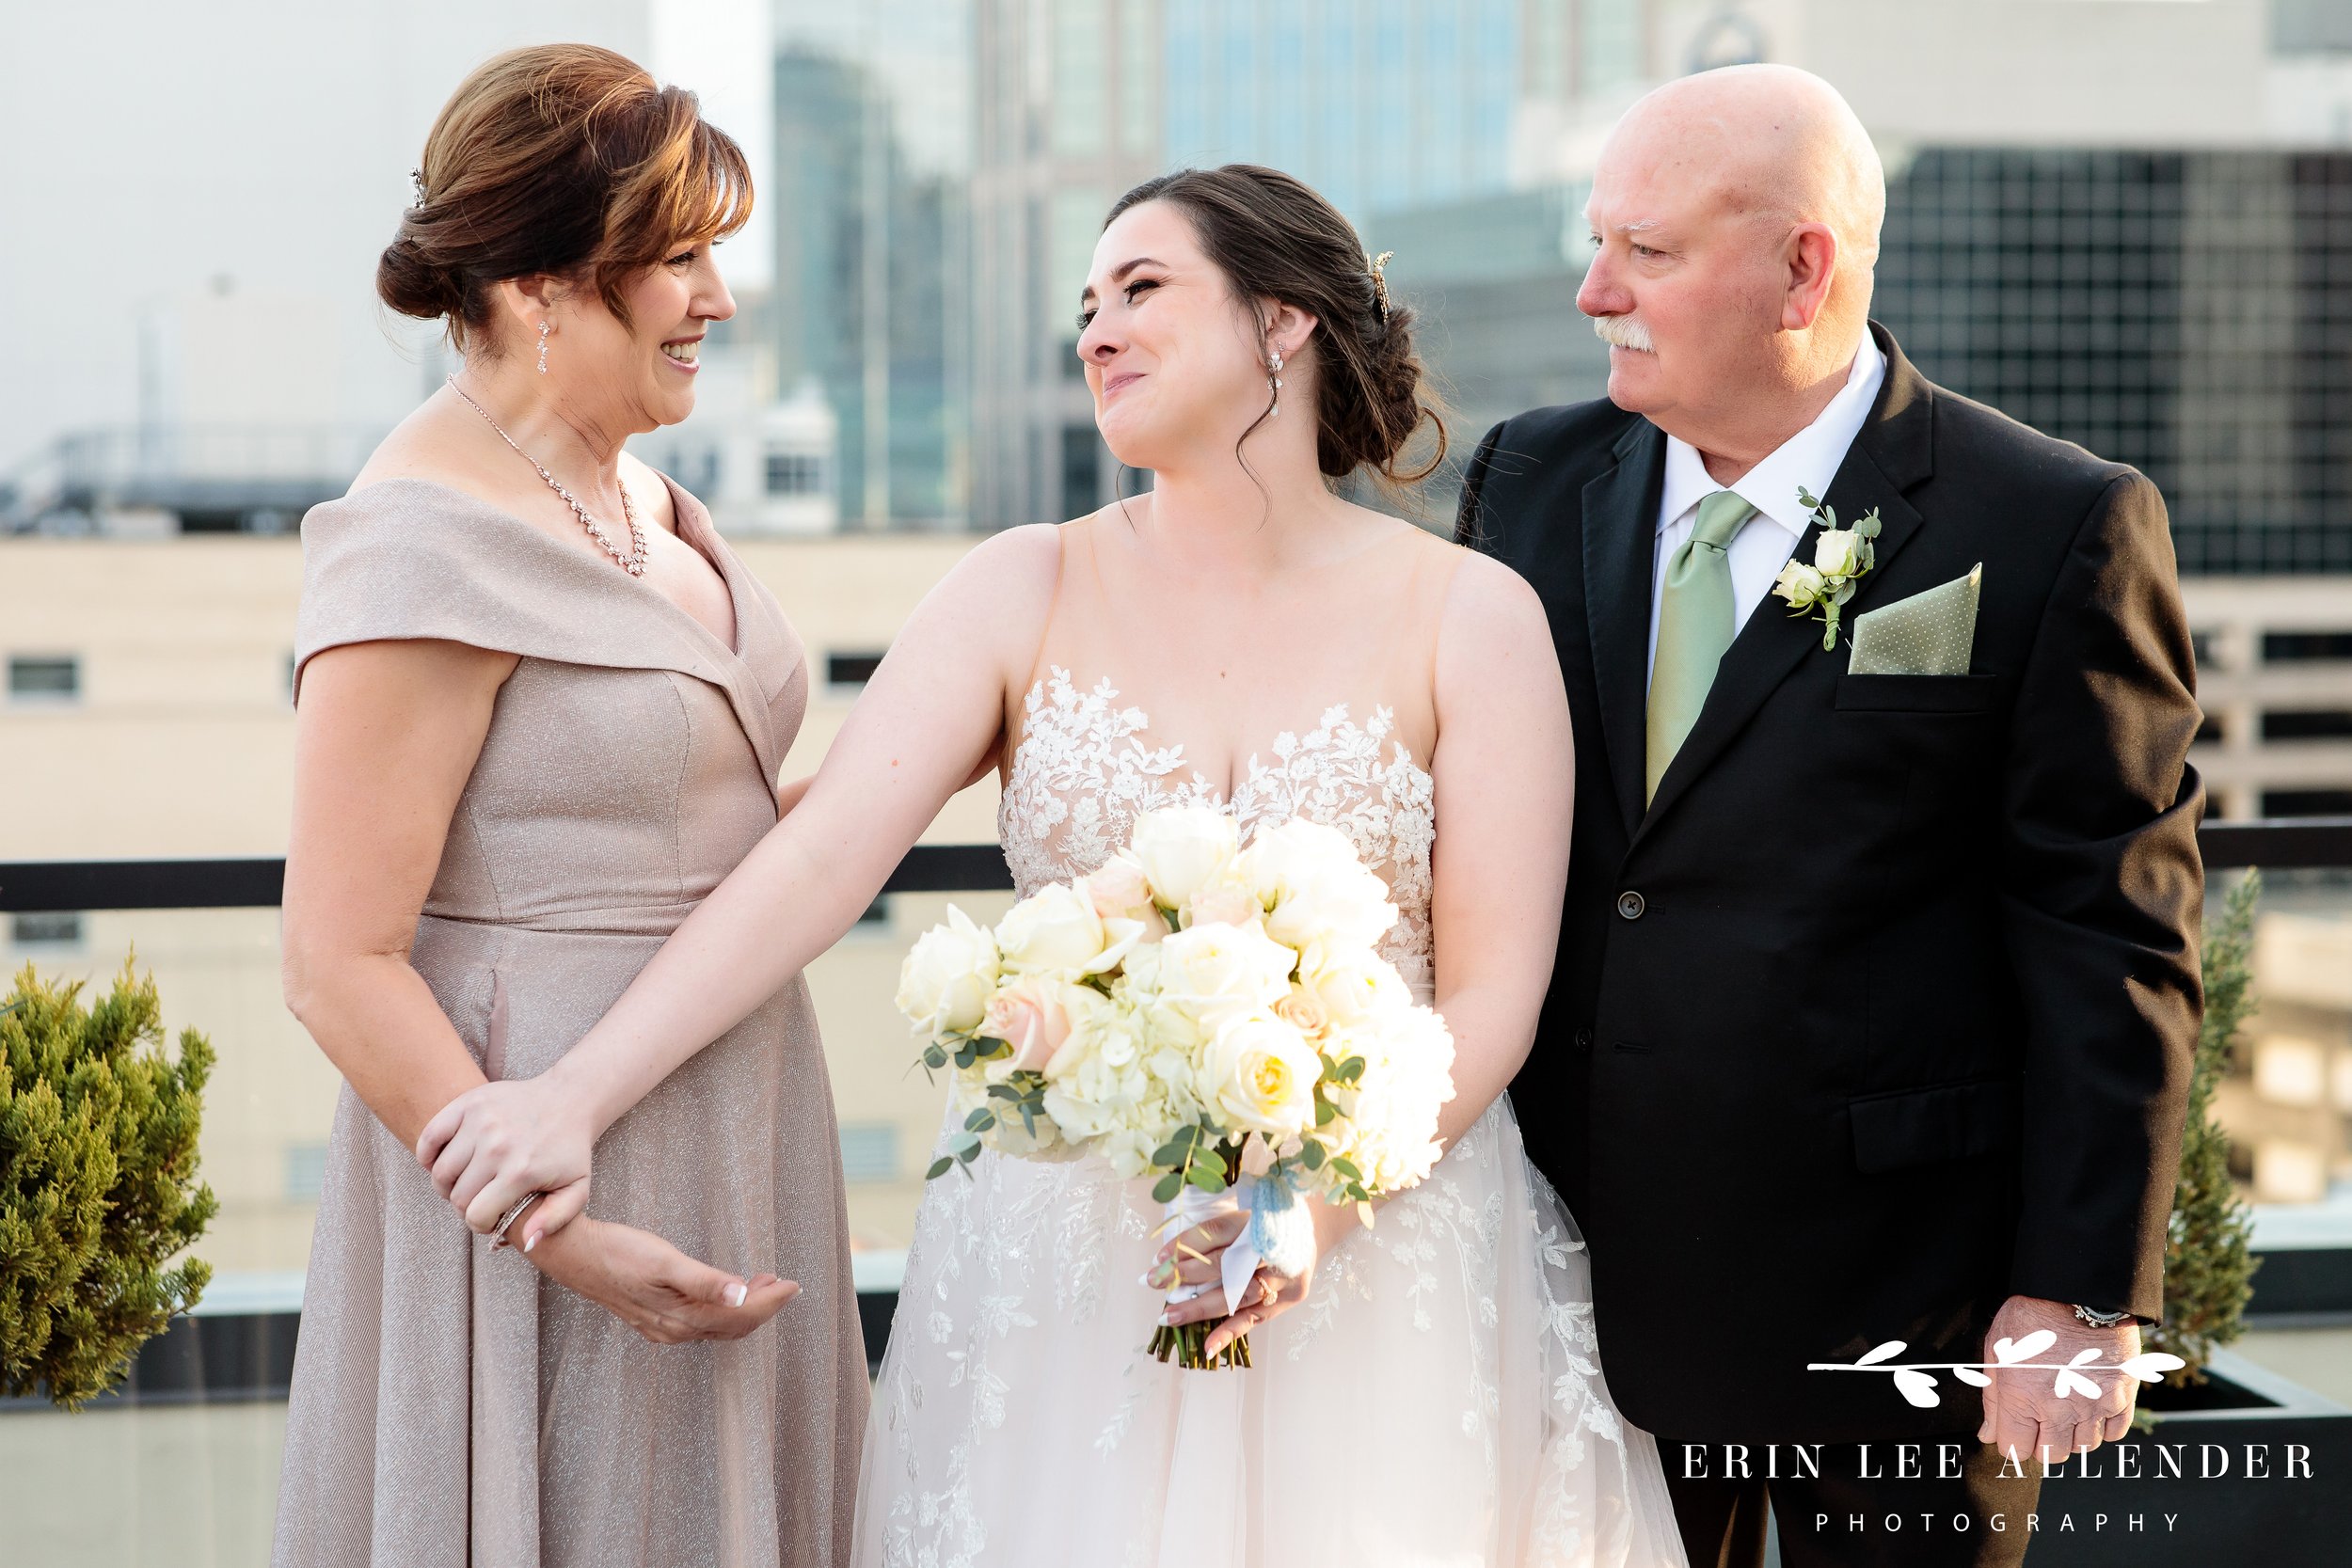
x,y
1085,769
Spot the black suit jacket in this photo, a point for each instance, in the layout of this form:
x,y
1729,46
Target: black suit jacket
x,y
1883,1010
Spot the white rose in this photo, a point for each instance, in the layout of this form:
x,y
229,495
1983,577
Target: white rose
x,y
1315,888
1182,848
1798,584
948,977
1098,1028
1357,985
1262,1073
1223,970
1055,931
1837,553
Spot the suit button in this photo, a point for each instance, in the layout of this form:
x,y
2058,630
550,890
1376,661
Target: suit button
x,y
1583,1039
1630,904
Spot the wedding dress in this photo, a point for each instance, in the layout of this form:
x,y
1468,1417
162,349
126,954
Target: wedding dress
x,y
1437,1400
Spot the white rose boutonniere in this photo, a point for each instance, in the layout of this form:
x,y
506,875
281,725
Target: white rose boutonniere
x,y
1840,557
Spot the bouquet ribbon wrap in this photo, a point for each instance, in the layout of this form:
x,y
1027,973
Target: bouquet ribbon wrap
x,y
1281,1233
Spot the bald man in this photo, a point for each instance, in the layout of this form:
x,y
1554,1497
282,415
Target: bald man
x,y
1877,985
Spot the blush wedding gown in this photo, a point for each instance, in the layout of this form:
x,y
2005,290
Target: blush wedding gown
x,y
1437,1400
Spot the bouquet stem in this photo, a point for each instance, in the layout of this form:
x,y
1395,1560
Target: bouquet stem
x,y
1186,1344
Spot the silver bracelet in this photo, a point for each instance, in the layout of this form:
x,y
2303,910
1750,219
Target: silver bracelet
x,y
506,1222
2099,1320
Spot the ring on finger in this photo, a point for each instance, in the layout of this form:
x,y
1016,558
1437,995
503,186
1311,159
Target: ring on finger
x,y
507,1221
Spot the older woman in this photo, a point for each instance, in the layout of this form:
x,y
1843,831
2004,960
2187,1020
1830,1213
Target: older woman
x,y
542,709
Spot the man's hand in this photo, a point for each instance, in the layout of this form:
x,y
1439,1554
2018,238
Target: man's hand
x,y
2023,1413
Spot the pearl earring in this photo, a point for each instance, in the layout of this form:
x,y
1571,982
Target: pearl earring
x,y
1274,378
544,330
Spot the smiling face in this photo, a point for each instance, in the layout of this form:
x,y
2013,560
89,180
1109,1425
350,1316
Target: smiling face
x,y
638,374
1176,363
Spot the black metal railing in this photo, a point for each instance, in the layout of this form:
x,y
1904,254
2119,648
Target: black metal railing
x,y
250,1355
258,881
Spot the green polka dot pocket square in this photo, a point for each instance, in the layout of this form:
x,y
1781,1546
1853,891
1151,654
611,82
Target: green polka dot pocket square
x,y
1931,633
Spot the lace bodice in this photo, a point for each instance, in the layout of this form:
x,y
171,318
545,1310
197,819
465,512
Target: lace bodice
x,y
1086,768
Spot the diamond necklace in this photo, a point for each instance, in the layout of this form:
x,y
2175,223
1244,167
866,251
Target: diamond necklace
x,y
633,563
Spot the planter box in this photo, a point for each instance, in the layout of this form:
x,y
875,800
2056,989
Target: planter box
x,y
2251,1468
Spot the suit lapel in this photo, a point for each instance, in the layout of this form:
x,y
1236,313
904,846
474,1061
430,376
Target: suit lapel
x,y
1620,538
1893,452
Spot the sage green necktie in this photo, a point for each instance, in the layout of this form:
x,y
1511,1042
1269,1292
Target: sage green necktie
x,y
1694,629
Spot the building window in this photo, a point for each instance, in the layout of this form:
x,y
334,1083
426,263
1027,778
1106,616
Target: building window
x,y
2200,649
877,915
2309,27
2310,723
850,672
869,1152
45,678
2209,730
2307,802
306,1172
46,928
795,473
2306,648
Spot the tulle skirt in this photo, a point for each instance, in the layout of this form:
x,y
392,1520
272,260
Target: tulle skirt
x,y
1438,1400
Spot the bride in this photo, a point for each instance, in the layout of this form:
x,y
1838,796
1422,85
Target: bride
x,y
1429,1391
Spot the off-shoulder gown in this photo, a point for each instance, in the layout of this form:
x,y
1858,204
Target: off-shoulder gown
x,y
449,1405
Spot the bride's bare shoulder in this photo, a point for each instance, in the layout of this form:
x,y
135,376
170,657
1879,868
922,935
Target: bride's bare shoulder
x,y
1489,609
1006,579
1028,557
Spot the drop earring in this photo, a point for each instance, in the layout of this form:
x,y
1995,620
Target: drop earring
x,y
1274,378
544,330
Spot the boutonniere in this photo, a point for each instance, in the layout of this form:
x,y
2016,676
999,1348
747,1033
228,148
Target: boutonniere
x,y
1840,557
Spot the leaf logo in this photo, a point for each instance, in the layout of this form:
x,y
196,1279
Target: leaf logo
x,y
1911,1379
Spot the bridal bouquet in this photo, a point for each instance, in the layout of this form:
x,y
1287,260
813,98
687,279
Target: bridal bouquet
x,y
1213,1018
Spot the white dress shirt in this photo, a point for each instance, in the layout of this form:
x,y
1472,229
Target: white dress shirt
x,y
1809,458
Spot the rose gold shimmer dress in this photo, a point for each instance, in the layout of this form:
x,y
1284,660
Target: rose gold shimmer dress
x,y
449,1405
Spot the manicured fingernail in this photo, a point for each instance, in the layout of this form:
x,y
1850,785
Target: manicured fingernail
x,y
530,1241
1161,1276
736,1292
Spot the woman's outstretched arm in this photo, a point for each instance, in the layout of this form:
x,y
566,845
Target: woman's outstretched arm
x,y
928,721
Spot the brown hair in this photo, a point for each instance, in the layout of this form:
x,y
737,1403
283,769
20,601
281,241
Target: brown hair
x,y
563,159
1275,237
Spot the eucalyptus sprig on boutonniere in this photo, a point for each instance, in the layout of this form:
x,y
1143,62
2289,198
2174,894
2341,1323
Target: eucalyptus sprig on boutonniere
x,y
1840,557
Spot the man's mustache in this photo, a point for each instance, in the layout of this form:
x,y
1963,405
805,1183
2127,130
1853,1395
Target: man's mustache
x,y
1624,332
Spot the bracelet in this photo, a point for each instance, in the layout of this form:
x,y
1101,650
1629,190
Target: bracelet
x,y
507,1221
2099,1320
